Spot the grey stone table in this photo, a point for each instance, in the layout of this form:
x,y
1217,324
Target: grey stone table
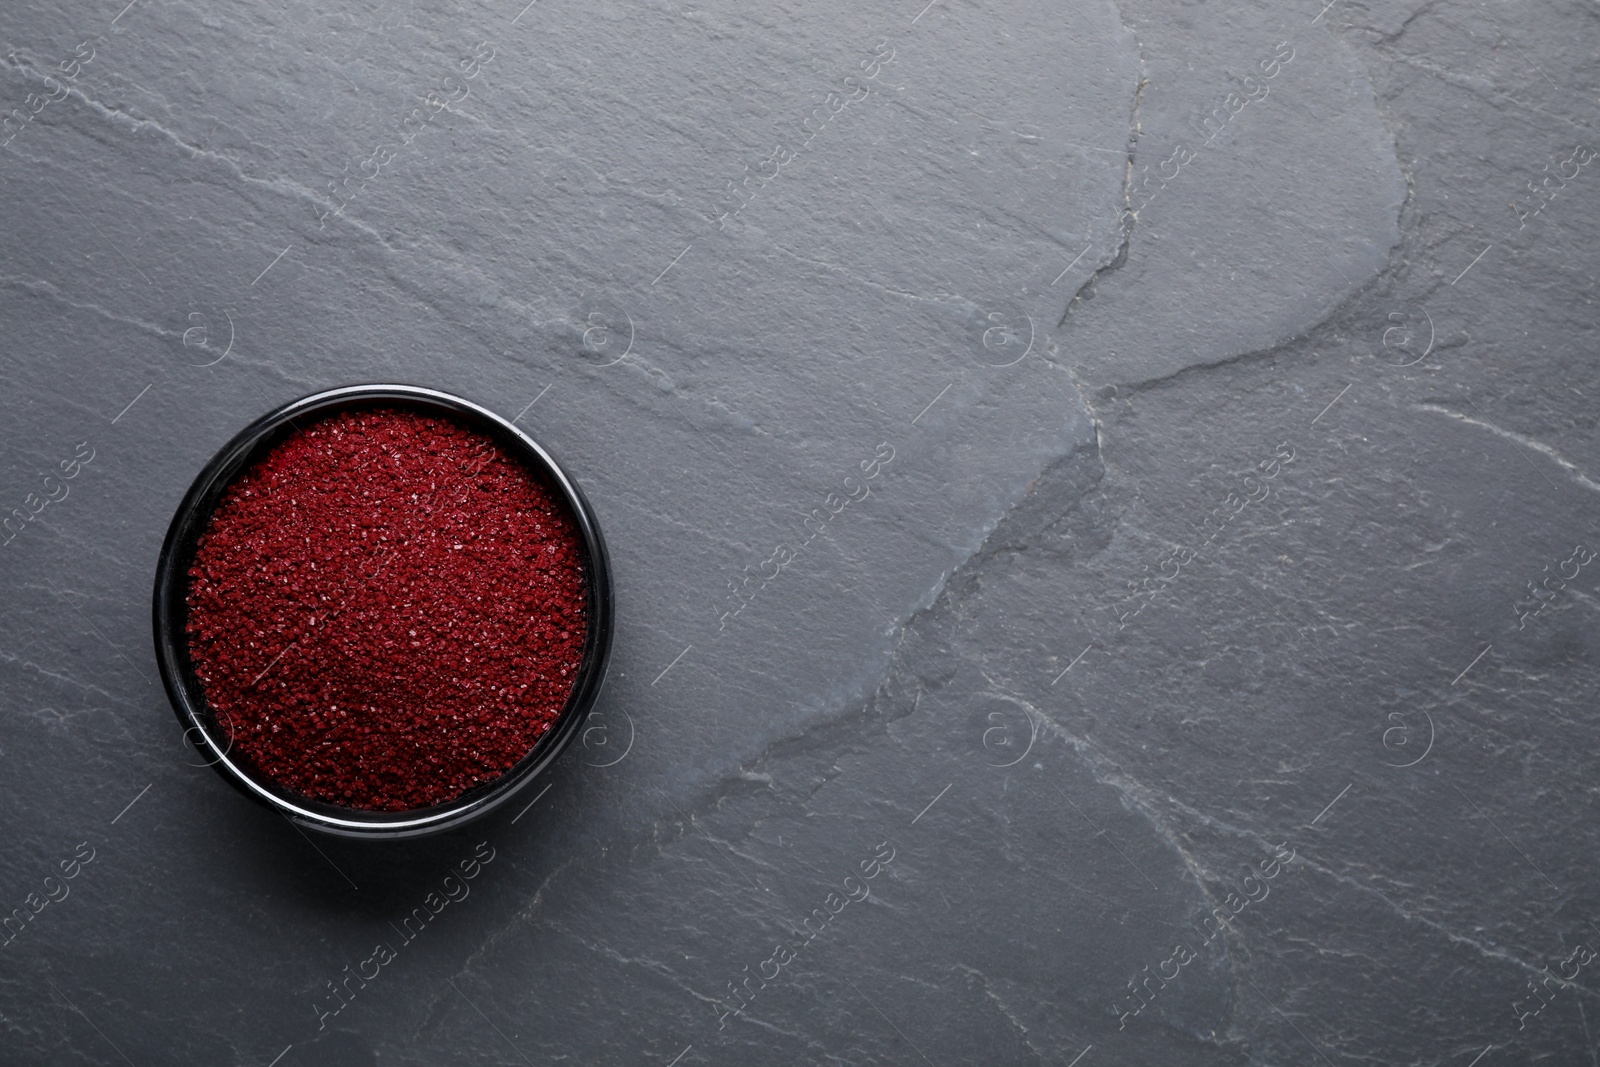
x,y
1205,674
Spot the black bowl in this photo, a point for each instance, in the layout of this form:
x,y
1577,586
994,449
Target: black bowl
x,y
171,615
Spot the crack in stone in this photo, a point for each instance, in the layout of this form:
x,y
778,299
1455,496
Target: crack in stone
x,y
1520,440
1481,87
22,665
845,272
1438,927
1398,260
1145,801
1391,38
1040,1055
1127,217
1594,1050
1123,390
41,288
1053,496
1142,800
654,967
121,119
506,929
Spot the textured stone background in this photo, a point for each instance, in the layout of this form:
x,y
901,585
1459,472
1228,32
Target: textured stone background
x,y
1085,295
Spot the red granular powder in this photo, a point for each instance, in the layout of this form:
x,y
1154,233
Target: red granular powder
x,y
387,610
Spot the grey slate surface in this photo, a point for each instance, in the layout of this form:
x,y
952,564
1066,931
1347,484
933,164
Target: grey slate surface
x,y
1087,297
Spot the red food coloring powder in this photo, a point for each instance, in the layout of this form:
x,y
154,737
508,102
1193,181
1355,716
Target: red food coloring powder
x,y
387,610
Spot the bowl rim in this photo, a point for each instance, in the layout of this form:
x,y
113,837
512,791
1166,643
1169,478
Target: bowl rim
x,y
193,517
